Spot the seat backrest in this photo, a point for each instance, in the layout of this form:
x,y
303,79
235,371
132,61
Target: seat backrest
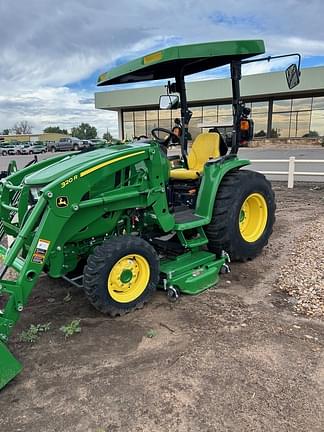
x,y
205,147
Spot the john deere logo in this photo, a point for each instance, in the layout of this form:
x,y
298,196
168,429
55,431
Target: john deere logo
x,y
62,201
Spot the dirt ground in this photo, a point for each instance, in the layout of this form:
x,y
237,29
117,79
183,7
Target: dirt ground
x,y
234,358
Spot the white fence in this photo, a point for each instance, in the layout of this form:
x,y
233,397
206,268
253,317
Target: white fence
x,y
292,161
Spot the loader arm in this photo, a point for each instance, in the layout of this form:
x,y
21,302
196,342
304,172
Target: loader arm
x,y
81,202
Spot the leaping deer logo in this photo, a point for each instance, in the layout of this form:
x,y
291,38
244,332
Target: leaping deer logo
x,y
62,201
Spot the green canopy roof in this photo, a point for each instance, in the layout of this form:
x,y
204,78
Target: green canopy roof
x,y
195,58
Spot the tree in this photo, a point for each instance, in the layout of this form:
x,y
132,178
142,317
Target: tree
x,y
260,134
84,131
55,129
275,133
22,127
107,136
311,134
5,131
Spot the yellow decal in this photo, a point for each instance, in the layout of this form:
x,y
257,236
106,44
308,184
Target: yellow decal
x,y
103,164
102,77
153,57
68,181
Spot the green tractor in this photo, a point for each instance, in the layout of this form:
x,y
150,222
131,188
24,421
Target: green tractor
x,y
119,222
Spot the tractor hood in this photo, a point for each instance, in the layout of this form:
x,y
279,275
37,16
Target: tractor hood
x,y
81,160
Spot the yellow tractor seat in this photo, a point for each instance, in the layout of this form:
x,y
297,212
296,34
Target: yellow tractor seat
x,y
205,147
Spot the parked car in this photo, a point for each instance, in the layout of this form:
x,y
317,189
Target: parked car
x,y
87,144
37,147
98,143
7,149
66,144
23,148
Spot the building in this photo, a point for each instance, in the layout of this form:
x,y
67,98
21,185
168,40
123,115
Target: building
x,y
32,137
276,110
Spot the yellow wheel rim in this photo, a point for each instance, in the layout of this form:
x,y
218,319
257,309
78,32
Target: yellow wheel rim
x,y
253,217
128,278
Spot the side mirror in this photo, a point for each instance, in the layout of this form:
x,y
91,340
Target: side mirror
x,y
169,101
292,76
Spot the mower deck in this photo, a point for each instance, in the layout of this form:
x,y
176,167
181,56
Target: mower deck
x,y
192,272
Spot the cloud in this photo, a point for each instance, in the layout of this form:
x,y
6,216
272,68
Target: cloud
x,y
50,51
56,106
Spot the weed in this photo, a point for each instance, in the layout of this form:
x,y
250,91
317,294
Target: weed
x,y
32,334
71,328
151,333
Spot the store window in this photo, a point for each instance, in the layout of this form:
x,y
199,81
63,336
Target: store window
x,y
196,111
139,115
280,125
176,113
299,123
291,117
194,127
140,128
165,114
129,130
210,111
151,124
317,122
303,104
152,114
260,124
128,116
282,105
224,110
259,107
165,123
318,103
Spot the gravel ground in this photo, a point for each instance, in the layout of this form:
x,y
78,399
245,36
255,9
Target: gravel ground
x,y
302,277
235,358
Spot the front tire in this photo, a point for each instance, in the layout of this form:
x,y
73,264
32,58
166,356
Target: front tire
x,y
121,275
243,216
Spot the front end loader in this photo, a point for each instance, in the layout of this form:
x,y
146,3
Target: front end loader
x,y
118,222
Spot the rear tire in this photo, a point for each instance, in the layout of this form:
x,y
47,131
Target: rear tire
x,y
243,215
121,275
75,147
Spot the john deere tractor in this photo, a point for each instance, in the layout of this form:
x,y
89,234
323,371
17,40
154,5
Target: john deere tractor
x,y
120,222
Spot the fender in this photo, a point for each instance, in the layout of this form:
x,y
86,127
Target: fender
x,y
214,171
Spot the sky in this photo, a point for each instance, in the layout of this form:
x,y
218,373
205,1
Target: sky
x,y
51,52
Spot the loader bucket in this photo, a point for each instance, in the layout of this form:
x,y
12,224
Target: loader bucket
x,y
9,366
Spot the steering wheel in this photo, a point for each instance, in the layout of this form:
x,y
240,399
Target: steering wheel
x,y
165,142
